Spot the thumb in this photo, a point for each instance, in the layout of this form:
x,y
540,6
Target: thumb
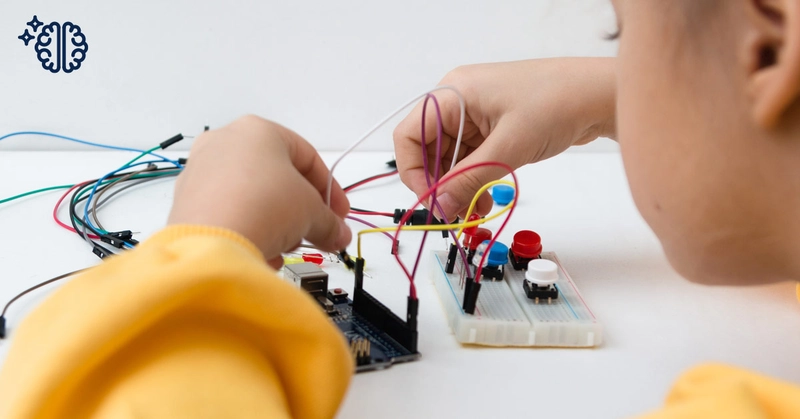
x,y
328,230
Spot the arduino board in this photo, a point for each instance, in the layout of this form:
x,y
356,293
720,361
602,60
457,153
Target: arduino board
x,y
377,337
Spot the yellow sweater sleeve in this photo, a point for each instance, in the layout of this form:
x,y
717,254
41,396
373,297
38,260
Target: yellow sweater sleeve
x,y
721,391
192,323
718,391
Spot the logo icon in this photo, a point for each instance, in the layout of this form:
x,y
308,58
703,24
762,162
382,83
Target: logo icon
x,y
59,46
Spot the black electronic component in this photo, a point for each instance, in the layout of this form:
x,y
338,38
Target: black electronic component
x,y
495,273
338,295
451,258
536,293
183,160
471,291
412,310
101,251
361,349
381,316
309,277
122,235
346,259
125,235
113,241
517,262
327,305
392,163
418,218
170,141
2,327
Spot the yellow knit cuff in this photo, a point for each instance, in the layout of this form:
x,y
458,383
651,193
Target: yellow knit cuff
x,y
175,232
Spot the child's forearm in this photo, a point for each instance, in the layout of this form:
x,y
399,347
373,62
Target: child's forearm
x,y
598,93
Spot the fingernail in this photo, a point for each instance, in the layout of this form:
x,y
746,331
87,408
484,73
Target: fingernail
x,y
345,235
448,204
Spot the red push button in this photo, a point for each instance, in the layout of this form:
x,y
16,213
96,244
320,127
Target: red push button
x,y
527,244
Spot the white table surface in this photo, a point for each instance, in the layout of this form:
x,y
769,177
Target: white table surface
x,y
656,324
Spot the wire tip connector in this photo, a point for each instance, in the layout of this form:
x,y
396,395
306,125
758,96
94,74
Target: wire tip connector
x,y
171,141
2,327
412,309
347,260
451,258
418,218
101,252
119,239
359,273
471,290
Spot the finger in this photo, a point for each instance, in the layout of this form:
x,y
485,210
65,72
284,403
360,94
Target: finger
x,y
308,162
456,194
482,207
328,231
276,262
324,228
408,138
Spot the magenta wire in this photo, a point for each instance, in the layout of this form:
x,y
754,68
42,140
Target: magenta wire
x,y
412,288
370,225
434,202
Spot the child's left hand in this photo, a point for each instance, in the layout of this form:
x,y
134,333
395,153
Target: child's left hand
x,y
265,182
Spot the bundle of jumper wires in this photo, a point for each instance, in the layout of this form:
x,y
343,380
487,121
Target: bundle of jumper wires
x,y
85,198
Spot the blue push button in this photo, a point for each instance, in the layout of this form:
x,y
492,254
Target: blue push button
x,y
503,194
498,254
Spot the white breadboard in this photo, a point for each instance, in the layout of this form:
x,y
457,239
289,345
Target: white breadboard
x,y
505,316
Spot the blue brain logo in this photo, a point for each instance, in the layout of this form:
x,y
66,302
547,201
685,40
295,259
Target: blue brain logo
x,y
59,46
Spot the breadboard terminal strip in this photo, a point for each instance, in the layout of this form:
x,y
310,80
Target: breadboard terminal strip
x,y
506,315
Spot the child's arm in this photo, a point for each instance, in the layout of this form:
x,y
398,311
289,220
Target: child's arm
x,y
193,323
517,113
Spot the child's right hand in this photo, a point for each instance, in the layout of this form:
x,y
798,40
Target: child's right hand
x,y
517,113
265,182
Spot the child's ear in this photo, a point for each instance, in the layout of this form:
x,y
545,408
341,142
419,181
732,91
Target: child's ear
x,y
772,51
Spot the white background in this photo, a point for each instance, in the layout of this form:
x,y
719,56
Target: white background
x,y
328,69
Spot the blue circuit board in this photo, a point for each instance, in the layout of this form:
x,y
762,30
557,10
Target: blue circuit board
x,y
383,351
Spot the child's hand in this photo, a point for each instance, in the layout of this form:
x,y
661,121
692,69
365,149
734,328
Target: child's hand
x,y
265,182
517,113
